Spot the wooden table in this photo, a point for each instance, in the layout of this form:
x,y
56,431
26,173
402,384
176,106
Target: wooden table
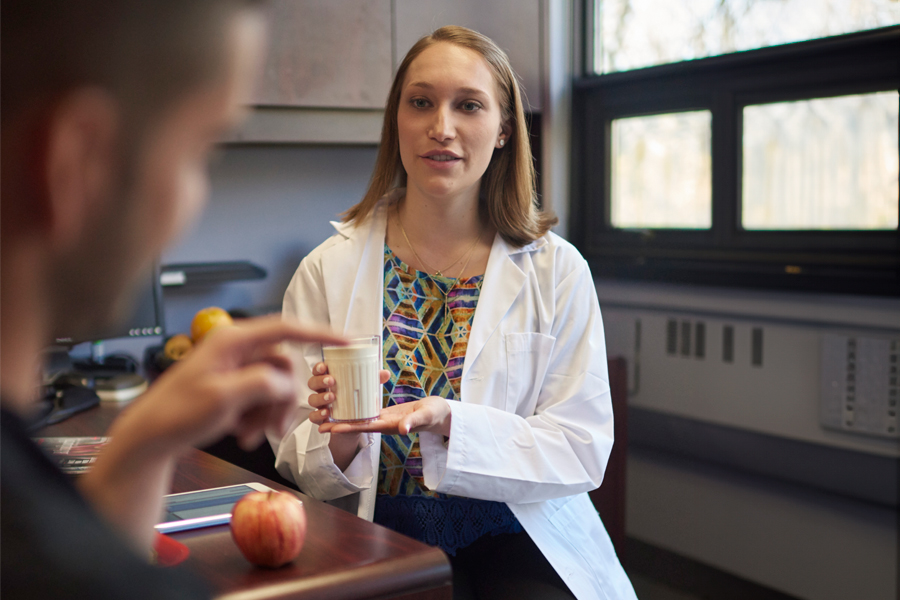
x,y
344,557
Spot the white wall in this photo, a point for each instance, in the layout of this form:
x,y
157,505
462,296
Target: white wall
x,y
787,537
781,396
805,542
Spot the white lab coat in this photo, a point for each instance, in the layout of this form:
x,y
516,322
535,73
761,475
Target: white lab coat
x,y
533,427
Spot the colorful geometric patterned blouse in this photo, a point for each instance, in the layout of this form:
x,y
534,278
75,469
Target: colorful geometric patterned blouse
x,y
426,331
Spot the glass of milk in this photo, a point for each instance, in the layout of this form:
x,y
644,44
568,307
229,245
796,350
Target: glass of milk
x,y
355,369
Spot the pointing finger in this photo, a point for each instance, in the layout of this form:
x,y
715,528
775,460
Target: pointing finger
x,y
273,330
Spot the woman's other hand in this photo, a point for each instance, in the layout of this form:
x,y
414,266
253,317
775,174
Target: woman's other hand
x,y
430,414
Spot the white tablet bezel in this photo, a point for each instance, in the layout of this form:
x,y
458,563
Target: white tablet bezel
x,y
208,521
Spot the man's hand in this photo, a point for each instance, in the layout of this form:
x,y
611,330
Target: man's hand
x,y
235,381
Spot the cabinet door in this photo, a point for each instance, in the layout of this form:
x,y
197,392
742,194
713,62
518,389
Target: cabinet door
x,y
513,24
328,53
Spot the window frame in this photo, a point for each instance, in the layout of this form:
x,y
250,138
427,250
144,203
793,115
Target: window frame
x,y
866,262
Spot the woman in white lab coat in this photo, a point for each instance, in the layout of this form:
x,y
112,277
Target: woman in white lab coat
x,y
497,418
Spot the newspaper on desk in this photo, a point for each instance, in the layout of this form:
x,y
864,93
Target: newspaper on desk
x,y
73,455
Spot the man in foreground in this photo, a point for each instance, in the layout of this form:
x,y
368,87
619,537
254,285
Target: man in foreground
x,y
109,110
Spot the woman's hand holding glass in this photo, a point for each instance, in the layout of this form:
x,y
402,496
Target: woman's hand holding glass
x,y
322,384
428,414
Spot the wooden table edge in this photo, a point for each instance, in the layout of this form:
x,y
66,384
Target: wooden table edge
x,y
376,580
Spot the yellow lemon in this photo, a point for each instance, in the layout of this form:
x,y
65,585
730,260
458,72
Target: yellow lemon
x,y
208,319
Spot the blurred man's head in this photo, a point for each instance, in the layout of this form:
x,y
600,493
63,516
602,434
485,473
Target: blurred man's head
x,y
109,111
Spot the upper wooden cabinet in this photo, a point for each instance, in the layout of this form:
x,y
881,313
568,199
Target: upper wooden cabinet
x,y
330,62
327,53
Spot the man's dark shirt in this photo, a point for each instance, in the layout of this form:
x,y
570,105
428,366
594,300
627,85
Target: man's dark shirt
x,y
54,545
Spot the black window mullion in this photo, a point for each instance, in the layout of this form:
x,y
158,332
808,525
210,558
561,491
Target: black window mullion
x,y
726,168
580,190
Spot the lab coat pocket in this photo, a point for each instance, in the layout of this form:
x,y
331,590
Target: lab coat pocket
x,y
527,358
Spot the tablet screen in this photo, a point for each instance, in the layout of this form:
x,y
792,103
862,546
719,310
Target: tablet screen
x,y
204,503
187,511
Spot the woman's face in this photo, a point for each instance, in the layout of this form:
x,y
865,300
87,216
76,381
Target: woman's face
x,y
449,121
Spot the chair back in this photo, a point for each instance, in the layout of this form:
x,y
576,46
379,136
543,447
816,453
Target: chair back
x,y
609,498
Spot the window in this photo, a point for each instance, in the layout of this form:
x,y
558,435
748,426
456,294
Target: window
x,y
630,34
826,163
661,171
741,142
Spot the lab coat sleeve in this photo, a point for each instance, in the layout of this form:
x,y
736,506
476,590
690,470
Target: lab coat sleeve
x,y
303,454
561,448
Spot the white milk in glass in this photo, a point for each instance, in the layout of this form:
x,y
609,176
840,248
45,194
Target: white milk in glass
x,y
355,370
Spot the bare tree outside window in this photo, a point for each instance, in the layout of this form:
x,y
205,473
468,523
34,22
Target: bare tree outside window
x,y
827,163
631,34
662,171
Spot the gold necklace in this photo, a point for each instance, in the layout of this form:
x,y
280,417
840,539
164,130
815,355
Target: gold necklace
x,y
437,272
446,295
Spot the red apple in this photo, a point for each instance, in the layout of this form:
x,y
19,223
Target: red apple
x,y
269,527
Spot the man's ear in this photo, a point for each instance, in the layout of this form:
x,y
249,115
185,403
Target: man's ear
x,y
79,164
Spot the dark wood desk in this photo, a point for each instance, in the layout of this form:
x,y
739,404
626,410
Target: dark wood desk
x,y
344,557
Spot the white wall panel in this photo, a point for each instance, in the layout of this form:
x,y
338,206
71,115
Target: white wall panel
x,y
807,544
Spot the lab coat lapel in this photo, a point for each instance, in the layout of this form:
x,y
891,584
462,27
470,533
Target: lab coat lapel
x,y
503,279
353,277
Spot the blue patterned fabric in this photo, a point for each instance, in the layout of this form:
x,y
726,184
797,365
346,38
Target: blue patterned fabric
x,y
449,522
426,326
